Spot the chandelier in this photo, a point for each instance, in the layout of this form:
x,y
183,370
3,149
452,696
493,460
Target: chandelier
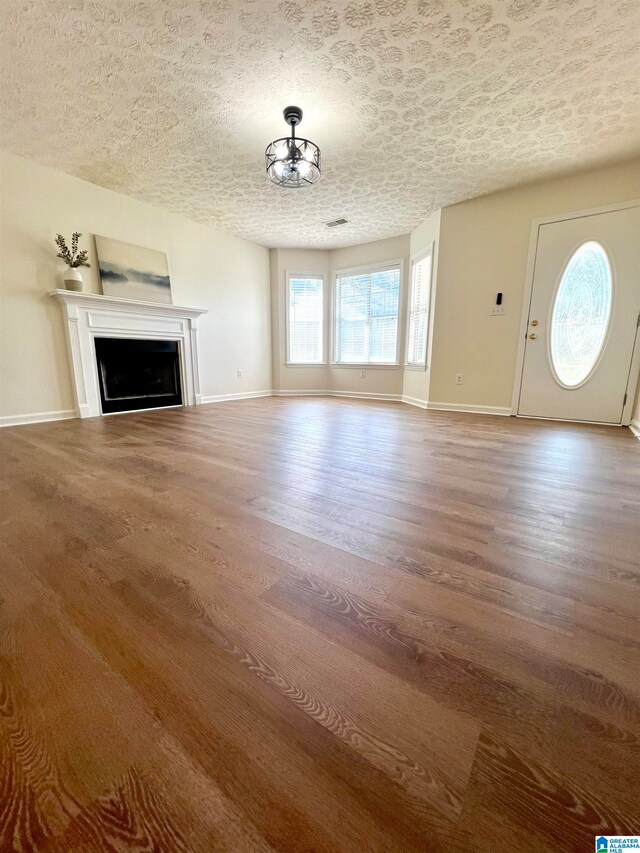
x,y
292,161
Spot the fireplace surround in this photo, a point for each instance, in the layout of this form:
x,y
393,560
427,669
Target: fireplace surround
x,y
91,318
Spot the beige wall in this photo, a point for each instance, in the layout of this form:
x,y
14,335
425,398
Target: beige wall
x,y
481,247
484,245
296,261
379,380
416,382
209,269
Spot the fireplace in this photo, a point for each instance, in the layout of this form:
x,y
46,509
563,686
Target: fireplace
x,y
91,317
138,374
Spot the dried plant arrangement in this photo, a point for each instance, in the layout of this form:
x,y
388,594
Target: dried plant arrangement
x,y
73,258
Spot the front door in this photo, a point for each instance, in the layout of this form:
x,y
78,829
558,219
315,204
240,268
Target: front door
x,y
583,318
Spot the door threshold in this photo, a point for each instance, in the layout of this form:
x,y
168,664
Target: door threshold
x,y
571,420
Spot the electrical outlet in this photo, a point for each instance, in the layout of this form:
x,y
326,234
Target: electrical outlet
x,y
497,310
363,374
459,378
239,374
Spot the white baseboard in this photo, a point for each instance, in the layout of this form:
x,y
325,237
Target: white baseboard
x,y
358,395
362,395
413,401
66,414
301,393
403,398
504,411
42,417
37,418
634,426
246,395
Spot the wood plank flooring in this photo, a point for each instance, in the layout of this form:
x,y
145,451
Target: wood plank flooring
x,y
318,625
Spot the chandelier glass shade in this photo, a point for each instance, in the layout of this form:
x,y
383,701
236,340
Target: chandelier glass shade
x,y
292,161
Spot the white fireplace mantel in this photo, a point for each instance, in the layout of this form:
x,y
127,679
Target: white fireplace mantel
x,y
90,315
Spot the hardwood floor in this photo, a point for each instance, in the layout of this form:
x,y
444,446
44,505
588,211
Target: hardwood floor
x,y
318,625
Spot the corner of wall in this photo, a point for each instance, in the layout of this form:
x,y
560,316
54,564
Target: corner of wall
x,y
275,317
416,383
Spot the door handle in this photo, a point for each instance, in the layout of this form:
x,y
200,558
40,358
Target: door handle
x,y
533,336
534,322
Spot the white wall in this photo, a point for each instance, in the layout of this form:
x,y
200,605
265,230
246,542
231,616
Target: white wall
x,y
484,245
209,269
379,380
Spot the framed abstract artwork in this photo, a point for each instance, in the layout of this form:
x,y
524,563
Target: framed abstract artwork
x,y
133,272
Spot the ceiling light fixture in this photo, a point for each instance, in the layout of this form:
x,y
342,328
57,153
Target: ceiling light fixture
x,y
291,161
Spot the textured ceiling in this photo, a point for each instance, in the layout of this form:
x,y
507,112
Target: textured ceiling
x,y
414,103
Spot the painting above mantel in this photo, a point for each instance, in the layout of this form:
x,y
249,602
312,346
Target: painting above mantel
x,y
133,272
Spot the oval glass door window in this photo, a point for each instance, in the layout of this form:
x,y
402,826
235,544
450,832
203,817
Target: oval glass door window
x,y
580,315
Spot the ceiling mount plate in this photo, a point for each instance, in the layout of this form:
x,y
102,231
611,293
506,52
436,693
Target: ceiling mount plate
x,y
292,115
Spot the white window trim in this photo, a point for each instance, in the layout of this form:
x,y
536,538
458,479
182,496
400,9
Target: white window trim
x,y
380,267
428,251
289,274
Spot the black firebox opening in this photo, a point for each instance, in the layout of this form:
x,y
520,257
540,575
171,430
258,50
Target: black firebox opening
x,y
138,374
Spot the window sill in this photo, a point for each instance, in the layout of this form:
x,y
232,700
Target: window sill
x,y
420,367
302,364
366,366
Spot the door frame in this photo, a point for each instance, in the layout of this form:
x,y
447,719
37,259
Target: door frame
x,y
634,372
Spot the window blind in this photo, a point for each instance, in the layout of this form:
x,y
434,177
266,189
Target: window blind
x,y
419,312
366,316
305,325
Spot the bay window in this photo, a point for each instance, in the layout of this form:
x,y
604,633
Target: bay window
x,y
305,319
418,323
367,303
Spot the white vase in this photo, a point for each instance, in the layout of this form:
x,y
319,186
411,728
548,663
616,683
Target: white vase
x,y
73,279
